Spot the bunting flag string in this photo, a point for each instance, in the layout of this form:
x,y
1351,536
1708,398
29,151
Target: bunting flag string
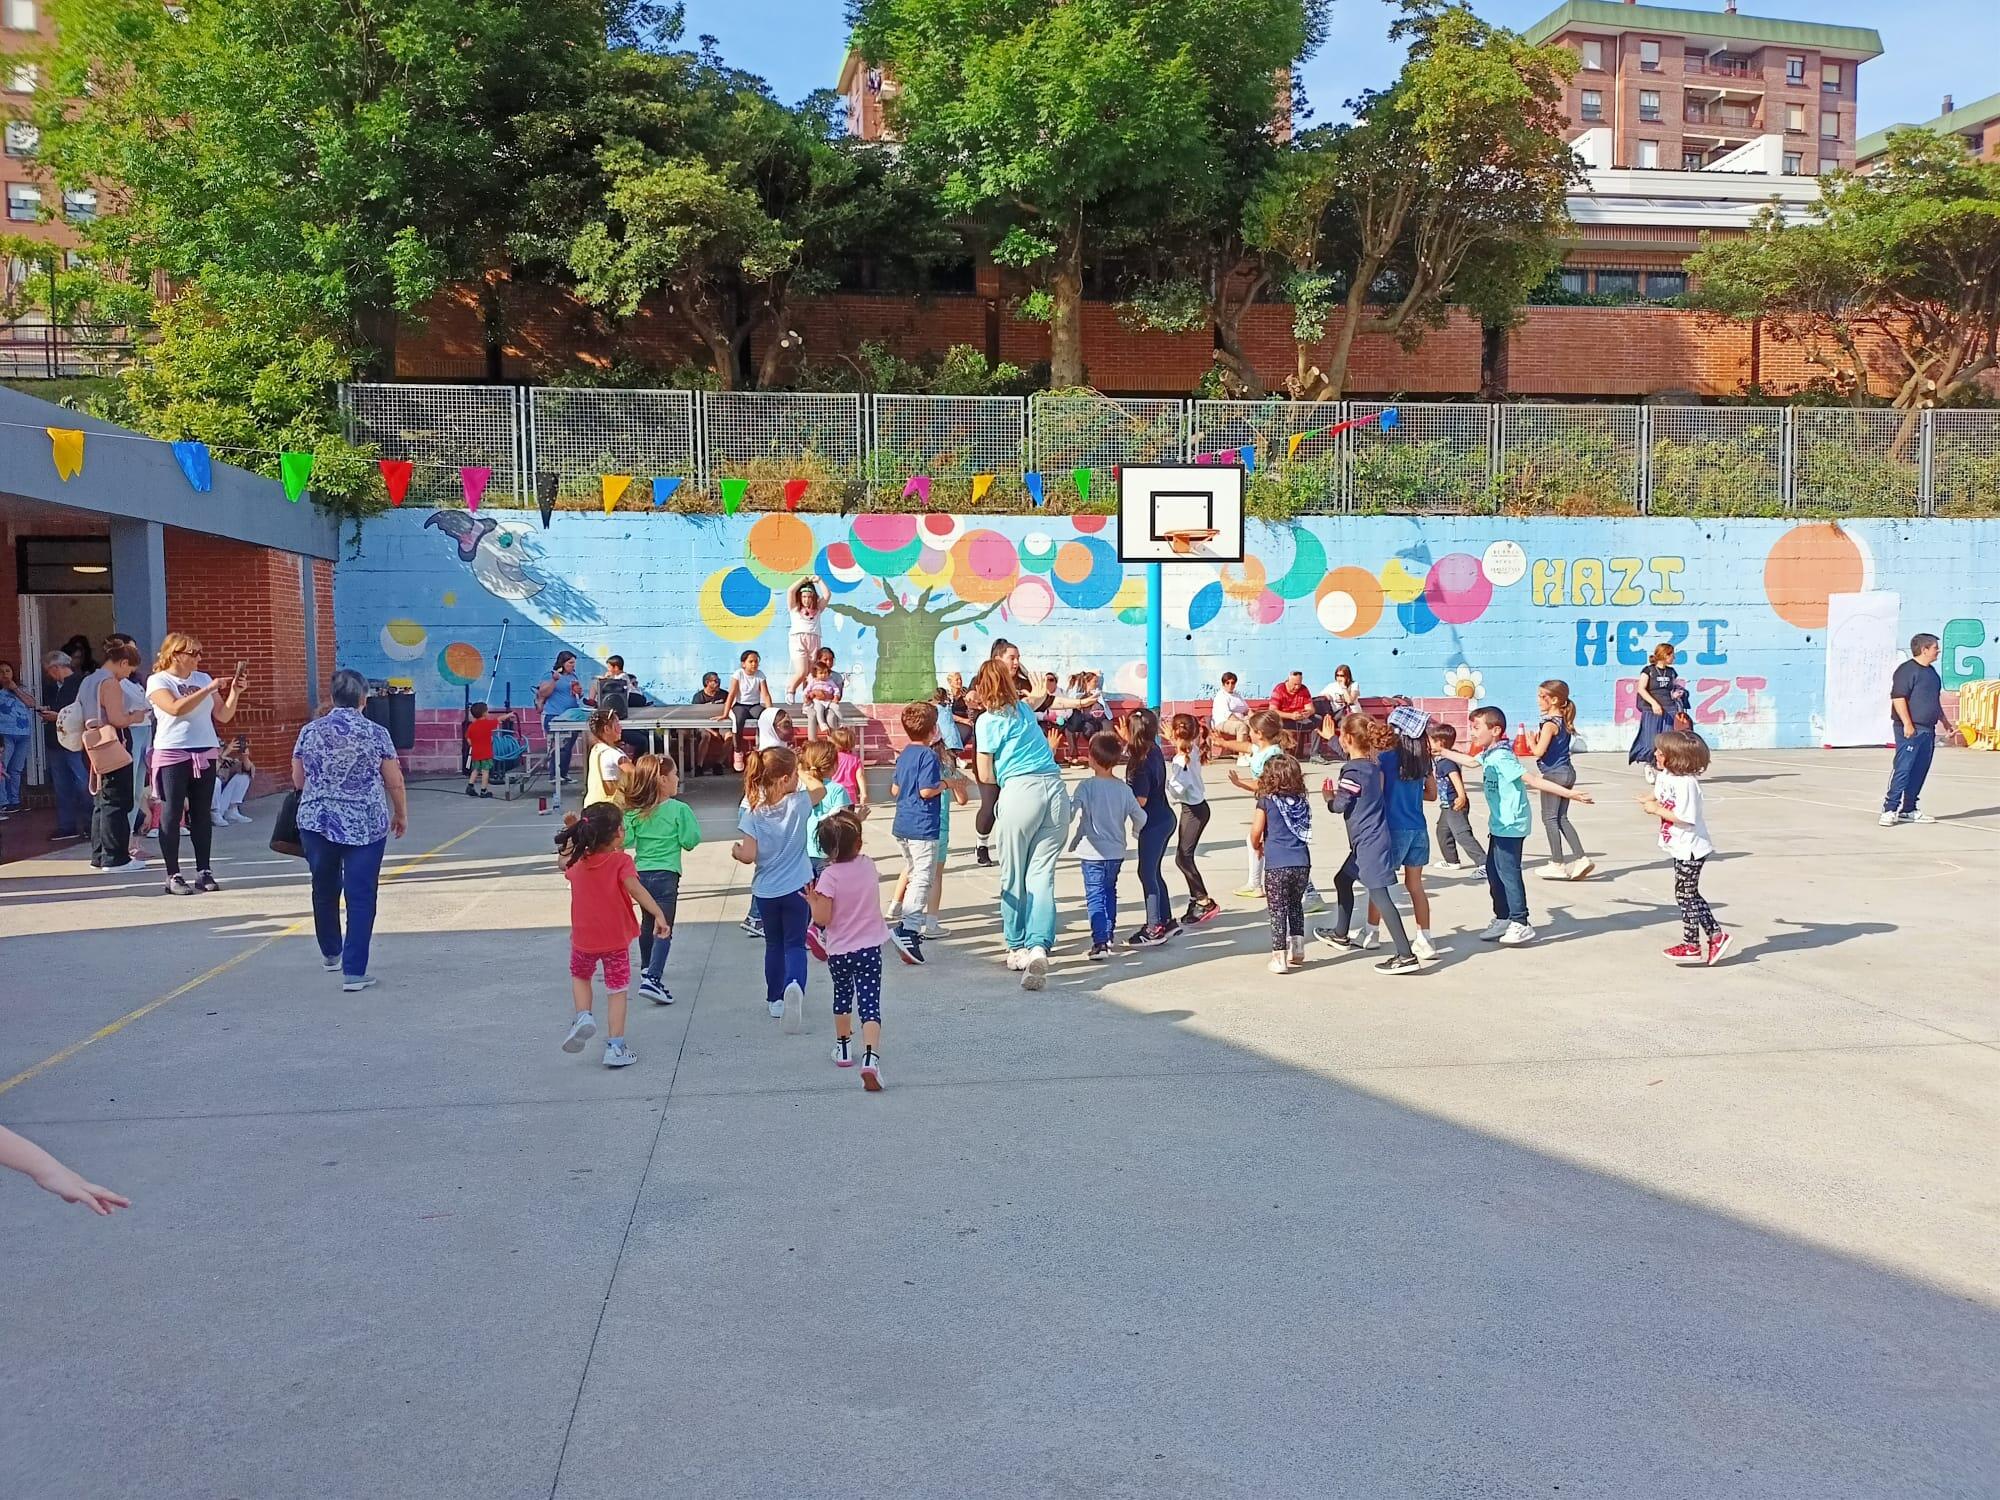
x,y
194,461
981,483
66,448
396,475
663,489
920,486
1034,485
473,481
295,470
1247,456
546,487
795,491
733,491
614,487
1081,478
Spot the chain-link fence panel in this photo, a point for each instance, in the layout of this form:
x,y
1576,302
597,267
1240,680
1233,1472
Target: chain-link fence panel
x,y
1716,461
1569,460
1857,462
441,429
1438,457
1965,463
580,434
772,438
949,438
1279,482
1067,432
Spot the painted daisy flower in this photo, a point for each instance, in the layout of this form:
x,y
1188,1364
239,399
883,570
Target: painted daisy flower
x,y
1463,682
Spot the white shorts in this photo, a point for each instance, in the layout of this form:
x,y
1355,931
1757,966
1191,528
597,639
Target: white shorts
x,y
804,649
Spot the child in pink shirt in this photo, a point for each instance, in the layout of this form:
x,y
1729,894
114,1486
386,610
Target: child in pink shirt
x,y
846,901
847,769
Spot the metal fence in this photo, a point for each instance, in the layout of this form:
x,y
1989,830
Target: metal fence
x,y
851,451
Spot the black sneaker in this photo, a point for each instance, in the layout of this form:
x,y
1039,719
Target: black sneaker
x,y
471,790
1334,939
1168,929
1199,912
983,858
177,886
1145,937
1399,963
908,943
205,881
1099,952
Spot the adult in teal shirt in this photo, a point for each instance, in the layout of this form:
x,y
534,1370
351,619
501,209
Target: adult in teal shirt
x,y
1029,822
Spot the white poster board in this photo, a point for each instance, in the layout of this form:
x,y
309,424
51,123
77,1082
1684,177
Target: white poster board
x,y
1864,645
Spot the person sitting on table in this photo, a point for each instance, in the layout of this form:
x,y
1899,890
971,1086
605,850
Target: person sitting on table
x,y
749,695
711,746
1292,702
1229,719
1087,718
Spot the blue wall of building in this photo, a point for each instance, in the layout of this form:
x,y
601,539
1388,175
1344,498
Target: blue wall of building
x,y
1484,607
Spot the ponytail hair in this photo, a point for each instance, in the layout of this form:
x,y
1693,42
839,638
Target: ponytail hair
x,y
1558,690
600,826
764,769
1188,734
1142,738
599,721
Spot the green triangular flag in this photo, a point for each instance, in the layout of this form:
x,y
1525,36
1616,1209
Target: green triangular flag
x,y
1082,478
733,491
295,469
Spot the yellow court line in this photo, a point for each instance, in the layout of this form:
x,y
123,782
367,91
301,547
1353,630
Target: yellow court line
x,y
113,1028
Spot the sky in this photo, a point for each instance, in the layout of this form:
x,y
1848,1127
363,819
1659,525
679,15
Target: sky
x,y
1930,47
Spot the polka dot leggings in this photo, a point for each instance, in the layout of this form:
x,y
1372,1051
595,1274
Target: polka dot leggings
x,y
857,982
1285,896
1696,918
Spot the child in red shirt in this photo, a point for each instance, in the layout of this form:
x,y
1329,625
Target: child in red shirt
x,y
603,884
479,750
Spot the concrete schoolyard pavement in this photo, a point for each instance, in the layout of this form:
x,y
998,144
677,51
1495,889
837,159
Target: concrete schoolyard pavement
x,y
1559,1220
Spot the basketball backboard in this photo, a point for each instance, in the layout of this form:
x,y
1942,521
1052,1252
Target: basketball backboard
x,y
1163,509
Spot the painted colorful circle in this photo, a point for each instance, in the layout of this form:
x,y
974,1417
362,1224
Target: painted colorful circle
x,y
983,567
403,640
1087,574
1091,525
1266,609
1505,564
1808,564
1417,617
714,602
778,549
1307,569
1031,602
1205,606
1363,592
931,570
1457,589
885,546
940,531
1399,584
836,567
743,594
1336,612
1251,585
1038,552
460,664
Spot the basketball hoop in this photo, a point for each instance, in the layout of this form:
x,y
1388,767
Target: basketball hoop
x,y
1184,542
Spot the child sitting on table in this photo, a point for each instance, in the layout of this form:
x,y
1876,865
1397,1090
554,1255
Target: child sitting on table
x,y
822,696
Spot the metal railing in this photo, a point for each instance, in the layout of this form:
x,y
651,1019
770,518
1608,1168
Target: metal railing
x,y
1438,457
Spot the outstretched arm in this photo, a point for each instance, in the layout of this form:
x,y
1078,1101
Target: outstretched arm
x,y
24,1156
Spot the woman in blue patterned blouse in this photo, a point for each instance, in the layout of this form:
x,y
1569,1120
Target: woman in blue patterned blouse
x,y
351,800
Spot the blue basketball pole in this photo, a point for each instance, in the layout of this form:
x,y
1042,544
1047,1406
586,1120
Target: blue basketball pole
x,y
1155,608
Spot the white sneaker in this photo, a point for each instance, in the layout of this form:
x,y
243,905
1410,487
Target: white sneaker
x,y
1553,871
1423,947
653,990
1295,953
240,816
1017,960
933,928
1035,973
1370,936
795,1010
1516,934
1496,930
894,914
1582,868
1887,820
1915,817
331,965
618,1055
581,1030
354,984
776,1008
1279,964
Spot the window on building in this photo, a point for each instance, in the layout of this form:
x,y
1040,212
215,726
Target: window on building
x,y
1649,104
1795,163
24,203
1593,56
1829,77
1975,141
1828,165
1692,160
1617,283
21,78
22,138
1829,125
1593,105
80,205
1576,283
1795,71
63,564
18,15
1649,56
1795,118
1663,285
1649,153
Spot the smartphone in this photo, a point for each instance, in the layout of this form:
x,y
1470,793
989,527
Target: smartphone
x,y
239,668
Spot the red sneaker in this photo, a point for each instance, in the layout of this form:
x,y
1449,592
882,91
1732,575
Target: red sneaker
x,y
816,942
1682,953
1717,946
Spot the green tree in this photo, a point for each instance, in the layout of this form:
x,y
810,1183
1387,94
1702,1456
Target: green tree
x,y
1903,261
1065,130
1447,190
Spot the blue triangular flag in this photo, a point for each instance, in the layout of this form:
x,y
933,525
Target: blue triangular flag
x,y
193,459
663,490
1249,456
1034,484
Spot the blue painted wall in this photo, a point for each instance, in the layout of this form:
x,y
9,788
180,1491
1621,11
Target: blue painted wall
x,y
1478,606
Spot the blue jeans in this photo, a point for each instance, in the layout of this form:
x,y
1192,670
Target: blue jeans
x,y
785,922
664,886
71,774
1913,764
1503,877
1100,893
344,870
13,768
1154,836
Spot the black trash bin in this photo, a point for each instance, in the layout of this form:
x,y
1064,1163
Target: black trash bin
x,y
397,713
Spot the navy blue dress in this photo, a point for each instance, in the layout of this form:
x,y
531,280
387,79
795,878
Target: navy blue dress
x,y
1664,683
1357,793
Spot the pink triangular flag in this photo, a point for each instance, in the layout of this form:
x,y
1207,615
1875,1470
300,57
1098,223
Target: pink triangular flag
x,y
920,486
473,481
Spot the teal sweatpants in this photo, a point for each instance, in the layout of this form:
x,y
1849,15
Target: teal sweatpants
x,y
1028,829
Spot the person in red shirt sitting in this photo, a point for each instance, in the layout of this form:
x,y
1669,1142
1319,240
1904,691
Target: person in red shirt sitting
x,y
479,750
1292,702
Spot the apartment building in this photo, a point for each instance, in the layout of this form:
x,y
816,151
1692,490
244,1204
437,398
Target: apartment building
x,y
1977,124
1679,90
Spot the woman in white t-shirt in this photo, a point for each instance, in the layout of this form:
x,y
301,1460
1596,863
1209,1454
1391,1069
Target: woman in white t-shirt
x,y
1229,719
187,705
806,602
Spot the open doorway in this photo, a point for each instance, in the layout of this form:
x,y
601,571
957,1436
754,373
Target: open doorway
x,y
65,592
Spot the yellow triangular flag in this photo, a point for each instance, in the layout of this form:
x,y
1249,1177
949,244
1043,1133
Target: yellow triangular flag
x,y
66,444
615,486
1292,444
981,483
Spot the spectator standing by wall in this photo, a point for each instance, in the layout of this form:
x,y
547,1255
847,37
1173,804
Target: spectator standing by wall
x,y
1916,709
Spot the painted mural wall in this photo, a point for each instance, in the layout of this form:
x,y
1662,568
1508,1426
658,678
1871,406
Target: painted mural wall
x,y
1478,607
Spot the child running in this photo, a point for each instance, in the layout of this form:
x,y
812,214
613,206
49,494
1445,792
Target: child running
x,y
1358,793
847,769
773,824
956,788
1146,774
603,884
918,785
846,902
818,764
1266,732
1187,791
1676,801
1409,782
659,829
1105,806
1506,782
606,738
1551,743
1281,841
1458,845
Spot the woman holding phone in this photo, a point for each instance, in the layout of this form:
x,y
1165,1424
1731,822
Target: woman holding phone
x,y
187,705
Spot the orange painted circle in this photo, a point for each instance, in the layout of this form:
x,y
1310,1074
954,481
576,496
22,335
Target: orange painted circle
x,y
1250,586
1805,566
1364,588
1073,562
781,543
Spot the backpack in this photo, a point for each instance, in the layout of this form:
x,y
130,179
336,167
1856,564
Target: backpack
x,y
69,726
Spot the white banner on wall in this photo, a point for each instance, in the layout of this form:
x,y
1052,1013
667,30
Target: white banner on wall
x,y
1863,647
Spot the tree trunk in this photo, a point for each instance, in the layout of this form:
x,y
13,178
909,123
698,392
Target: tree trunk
x,y
1229,352
1066,319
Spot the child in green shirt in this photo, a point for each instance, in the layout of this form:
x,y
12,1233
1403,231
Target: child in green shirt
x,y
659,828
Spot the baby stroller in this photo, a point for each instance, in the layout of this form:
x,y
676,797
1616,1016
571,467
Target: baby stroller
x,y
510,758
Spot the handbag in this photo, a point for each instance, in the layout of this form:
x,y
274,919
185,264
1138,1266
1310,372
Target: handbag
x,y
285,832
105,751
